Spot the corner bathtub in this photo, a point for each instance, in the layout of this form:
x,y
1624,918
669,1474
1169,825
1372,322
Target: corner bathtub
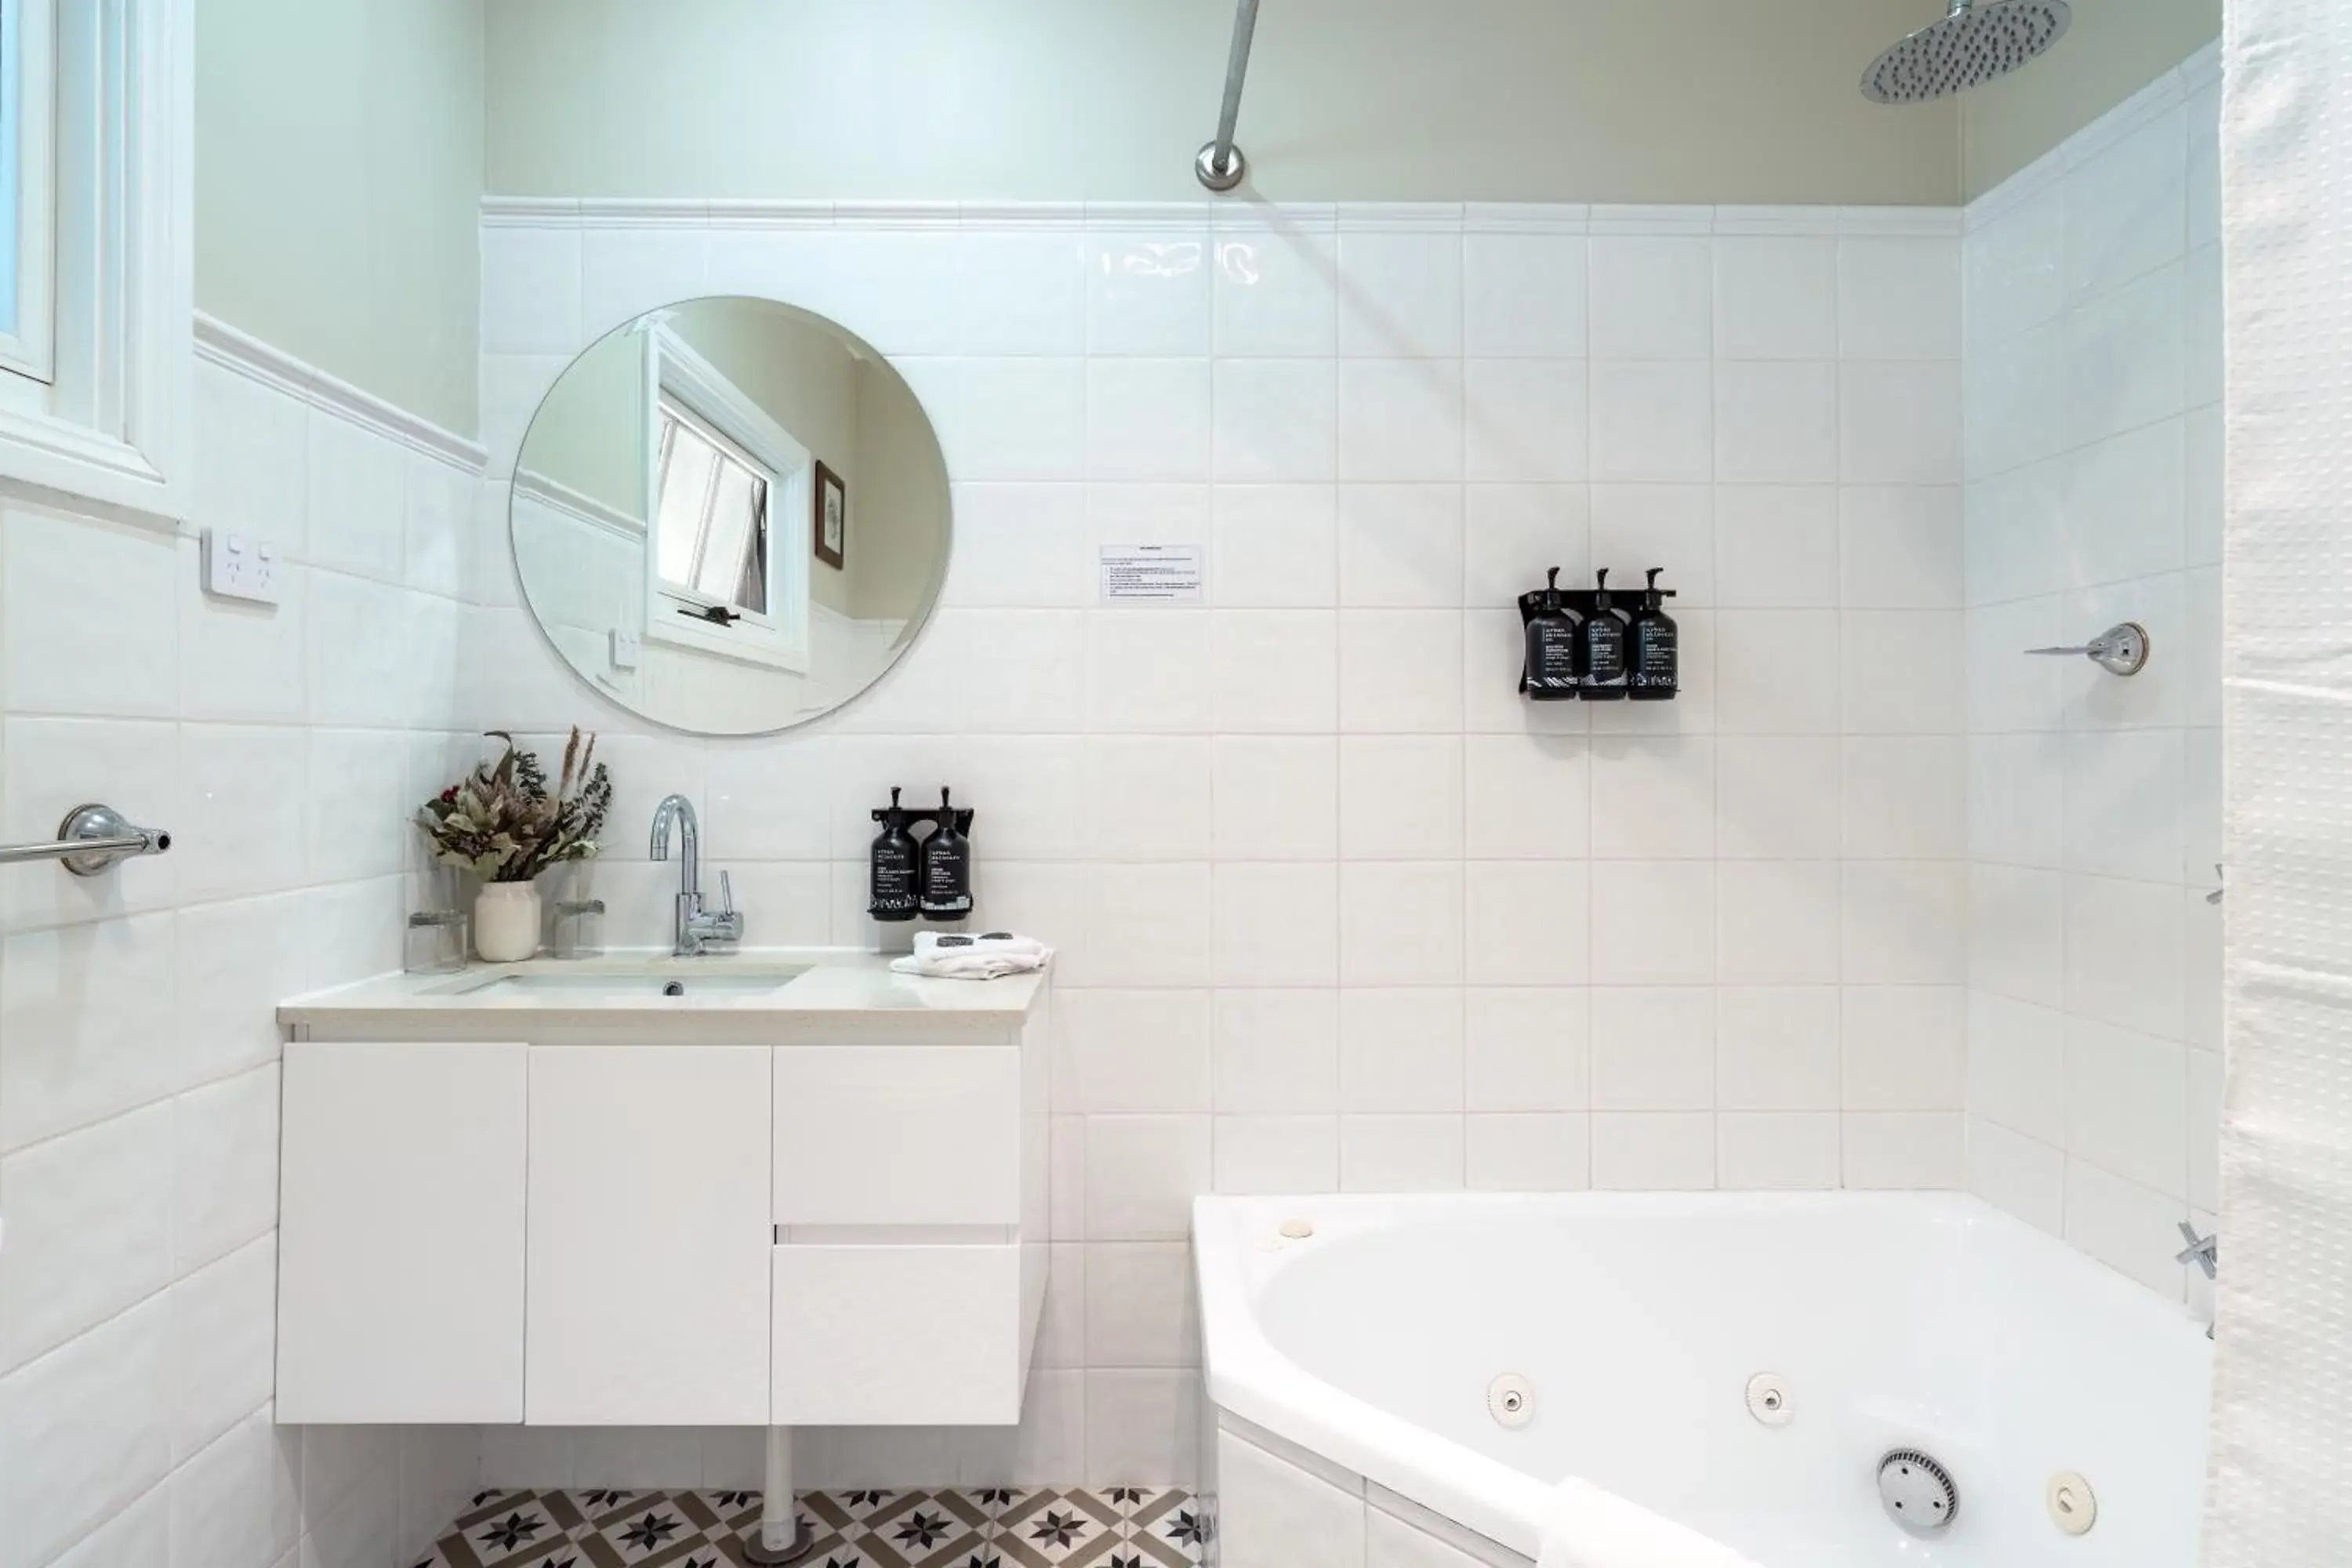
x,y
1349,1373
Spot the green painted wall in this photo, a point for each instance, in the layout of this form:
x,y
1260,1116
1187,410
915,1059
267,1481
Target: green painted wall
x,y
339,178
2114,48
1637,101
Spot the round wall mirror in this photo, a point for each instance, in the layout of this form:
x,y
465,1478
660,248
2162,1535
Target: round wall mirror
x,y
730,516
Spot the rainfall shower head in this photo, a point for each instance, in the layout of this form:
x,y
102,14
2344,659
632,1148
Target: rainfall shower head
x,y
1976,41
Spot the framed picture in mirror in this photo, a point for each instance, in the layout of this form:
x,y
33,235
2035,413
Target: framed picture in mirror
x,y
831,533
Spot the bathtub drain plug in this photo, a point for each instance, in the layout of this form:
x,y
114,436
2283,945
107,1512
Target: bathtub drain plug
x,y
1511,1401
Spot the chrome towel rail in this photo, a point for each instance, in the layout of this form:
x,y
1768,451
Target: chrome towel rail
x,y
90,840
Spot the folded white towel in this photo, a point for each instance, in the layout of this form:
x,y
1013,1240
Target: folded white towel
x,y
947,956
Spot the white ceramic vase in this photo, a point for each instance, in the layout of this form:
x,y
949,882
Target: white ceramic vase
x,y
505,921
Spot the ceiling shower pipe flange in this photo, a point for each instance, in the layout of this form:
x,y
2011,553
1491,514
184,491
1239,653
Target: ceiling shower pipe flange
x,y
1223,176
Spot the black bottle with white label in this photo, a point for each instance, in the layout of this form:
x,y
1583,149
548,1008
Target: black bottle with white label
x,y
1652,658
1603,640
896,868
947,866
1551,646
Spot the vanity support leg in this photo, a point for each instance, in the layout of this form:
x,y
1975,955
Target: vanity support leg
x,y
781,1536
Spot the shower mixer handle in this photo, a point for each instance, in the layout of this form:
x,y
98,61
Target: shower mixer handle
x,y
2202,1250
2121,650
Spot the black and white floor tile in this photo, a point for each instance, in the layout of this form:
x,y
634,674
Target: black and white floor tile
x,y
1010,1527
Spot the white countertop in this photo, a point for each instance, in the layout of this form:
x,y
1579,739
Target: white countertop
x,y
815,987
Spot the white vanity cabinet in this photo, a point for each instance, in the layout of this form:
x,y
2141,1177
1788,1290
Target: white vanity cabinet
x,y
400,1233
647,1236
662,1217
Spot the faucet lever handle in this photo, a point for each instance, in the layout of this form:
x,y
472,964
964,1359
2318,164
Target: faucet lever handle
x,y
726,894
2204,1251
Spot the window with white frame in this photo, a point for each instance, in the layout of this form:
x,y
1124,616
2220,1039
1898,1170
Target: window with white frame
x,y
727,493
28,65
96,260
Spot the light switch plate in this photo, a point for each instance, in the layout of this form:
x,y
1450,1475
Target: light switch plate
x,y
628,647
241,566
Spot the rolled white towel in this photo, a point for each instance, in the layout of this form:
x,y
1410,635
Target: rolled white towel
x,y
950,956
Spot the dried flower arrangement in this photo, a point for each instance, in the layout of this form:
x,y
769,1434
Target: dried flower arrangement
x,y
502,822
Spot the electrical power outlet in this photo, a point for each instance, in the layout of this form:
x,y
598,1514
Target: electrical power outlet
x,y
240,566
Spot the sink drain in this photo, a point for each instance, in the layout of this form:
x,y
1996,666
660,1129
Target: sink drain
x,y
1511,1401
1917,1492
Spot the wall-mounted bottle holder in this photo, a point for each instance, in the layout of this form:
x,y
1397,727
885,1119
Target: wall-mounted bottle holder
x,y
1562,643
929,877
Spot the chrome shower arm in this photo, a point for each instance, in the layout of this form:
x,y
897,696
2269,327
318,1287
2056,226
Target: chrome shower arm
x,y
1220,164
2121,650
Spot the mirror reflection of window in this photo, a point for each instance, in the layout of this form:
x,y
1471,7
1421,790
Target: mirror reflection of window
x,y
711,517
670,505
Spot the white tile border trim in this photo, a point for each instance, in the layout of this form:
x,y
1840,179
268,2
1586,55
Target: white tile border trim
x,y
219,343
1315,218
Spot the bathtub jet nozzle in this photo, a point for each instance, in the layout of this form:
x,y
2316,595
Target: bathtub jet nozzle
x,y
1511,1401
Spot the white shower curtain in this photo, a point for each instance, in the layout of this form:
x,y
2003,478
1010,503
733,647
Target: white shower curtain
x,y
2279,1493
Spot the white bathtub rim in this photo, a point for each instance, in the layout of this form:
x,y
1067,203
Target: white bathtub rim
x,y
1375,1497
1451,1533
1246,1377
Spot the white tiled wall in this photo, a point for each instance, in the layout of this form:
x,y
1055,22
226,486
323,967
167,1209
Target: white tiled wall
x,y
1335,907
138,1051
2094,322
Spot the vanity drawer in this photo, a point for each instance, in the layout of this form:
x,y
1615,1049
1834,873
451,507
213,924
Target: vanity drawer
x,y
886,1336
898,1135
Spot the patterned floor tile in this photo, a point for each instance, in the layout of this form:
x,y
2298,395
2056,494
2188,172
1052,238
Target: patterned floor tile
x,y
997,1527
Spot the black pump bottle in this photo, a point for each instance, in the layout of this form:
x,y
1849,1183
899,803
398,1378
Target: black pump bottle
x,y
1653,660
1551,661
946,866
896,860
1604,646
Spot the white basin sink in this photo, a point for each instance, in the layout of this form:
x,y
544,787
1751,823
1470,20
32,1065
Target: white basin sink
x,y
596,987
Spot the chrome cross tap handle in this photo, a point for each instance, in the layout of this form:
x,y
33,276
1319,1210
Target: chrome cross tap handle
x,y
2202,1250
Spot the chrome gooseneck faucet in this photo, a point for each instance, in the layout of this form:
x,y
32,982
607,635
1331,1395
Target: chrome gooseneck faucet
x,y
695,930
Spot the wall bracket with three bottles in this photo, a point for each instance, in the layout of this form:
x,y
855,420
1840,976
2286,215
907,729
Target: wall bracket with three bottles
x,y
931,875
1583,645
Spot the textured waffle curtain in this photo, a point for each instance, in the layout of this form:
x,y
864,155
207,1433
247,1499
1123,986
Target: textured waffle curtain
x,y
2280,1497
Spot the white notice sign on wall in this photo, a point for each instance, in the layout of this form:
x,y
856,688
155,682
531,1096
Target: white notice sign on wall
x,y
1161,574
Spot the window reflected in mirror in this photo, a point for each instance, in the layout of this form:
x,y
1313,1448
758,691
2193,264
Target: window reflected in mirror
x,y
683,508
710,519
